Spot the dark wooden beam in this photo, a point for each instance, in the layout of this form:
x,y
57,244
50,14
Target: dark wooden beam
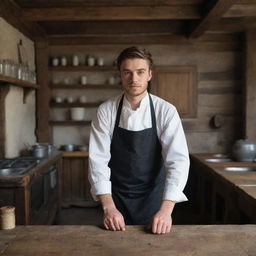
x,y
12,13
4,89
43,130
210,42
112,13
241,10
233,25
112,27
212,16
90,3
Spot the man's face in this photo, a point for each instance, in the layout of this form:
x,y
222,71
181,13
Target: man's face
x,y
135,75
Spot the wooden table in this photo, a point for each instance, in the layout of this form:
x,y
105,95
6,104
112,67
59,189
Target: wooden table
x,y
93,241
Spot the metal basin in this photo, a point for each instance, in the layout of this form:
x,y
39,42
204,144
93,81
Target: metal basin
x,y
11,171
239,169
218,160
221,156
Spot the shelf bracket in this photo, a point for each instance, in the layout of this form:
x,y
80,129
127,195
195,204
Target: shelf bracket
x,y
26,92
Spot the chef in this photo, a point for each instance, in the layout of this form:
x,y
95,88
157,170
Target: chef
x,y
138,157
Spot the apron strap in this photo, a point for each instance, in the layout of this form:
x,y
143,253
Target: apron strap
x,y
119,111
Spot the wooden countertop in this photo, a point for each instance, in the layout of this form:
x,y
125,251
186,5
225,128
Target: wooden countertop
x,y
244,181
228,240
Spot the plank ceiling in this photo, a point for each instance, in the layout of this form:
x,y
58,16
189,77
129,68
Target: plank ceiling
x,y
116,21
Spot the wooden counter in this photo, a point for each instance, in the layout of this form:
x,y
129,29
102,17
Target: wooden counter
x,y
245,181
228,240
224,197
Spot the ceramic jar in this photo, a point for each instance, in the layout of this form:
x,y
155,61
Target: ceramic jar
x,y
7,217
55,61
100,61
83,80
75,60
63,61
91,61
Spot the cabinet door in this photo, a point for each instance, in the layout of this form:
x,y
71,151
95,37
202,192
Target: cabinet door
x,y
75,187
177,85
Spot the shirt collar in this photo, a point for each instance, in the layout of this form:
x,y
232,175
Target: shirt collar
x,y
144,102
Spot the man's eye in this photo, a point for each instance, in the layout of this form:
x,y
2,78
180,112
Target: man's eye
x,y
126,73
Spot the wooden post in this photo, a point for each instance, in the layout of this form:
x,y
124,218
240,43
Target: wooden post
x,y
43,129
3,92
250,86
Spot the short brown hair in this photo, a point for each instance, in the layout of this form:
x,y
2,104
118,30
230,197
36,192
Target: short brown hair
x,y
133,53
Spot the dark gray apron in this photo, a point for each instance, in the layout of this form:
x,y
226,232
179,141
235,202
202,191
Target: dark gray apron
x,y
137,172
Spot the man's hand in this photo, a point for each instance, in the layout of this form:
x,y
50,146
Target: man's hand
x,y
112,219
162,221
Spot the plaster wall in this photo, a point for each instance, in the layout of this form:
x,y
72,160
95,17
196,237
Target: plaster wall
x,y
20,117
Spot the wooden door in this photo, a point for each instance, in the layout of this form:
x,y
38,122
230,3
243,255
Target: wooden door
x,y
177,85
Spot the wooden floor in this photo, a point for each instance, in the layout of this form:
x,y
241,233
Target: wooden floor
x,y
93,216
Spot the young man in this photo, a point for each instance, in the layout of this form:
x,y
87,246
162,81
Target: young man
x,y
138,157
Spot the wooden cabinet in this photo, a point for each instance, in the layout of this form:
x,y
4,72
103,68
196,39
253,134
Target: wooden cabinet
x,y
177,85
75,187
34,195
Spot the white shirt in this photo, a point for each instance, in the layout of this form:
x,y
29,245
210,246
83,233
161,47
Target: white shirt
x,y
170,134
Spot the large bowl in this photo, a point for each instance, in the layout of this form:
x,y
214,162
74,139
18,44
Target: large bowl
x,y
11,171
240,169
218,160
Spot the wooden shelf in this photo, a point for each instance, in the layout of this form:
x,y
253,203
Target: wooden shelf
x,y
87,86
70,122
84,68
17,82
27,86
75,104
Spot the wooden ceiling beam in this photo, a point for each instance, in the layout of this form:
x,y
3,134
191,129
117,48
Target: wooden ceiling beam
x,y
112,27
98,3
235,25
157,38
12,13
212,16
241,10
112,13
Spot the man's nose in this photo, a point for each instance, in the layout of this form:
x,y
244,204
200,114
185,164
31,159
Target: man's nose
x,y
134,77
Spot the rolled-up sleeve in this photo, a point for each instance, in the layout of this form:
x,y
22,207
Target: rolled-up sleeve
x,y
99,154
176,158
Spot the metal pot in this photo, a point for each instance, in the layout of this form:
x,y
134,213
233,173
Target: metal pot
x,y
40,150
244,150
69,147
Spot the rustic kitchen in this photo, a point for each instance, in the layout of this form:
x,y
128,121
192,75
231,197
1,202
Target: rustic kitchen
x,y
58,64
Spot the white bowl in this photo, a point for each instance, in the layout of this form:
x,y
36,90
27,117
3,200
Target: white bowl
x,y
77,114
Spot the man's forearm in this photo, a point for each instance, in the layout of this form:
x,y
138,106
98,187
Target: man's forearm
x,y
106,201
167,206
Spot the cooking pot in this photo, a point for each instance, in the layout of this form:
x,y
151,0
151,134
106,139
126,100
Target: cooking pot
x,y
244,150
40,150
69,147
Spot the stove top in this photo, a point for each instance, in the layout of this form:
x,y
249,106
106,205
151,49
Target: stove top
x,y
21,163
